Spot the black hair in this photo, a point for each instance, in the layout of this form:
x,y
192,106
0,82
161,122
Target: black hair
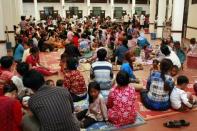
x,y
101,54
9,88
177,43
33,79
176,67
156,61
47,82
60,83
125,43
22,68
122,78
193,40
34,50
165,66
6,61
165,50
93,85
72,63
72,51
182,80
129,37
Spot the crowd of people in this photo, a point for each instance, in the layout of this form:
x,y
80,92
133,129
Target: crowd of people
x,y
48,105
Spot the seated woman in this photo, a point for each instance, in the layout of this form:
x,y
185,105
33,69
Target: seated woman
x,y
34,62
159,86
121,101
10,109
54,41
74,80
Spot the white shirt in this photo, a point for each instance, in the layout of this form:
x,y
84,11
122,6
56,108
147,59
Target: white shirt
x,y
26,53
174,58
19,84
142,19
178,97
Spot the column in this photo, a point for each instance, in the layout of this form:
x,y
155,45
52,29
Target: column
x,y
112,9
36,10
88,5
133,6
161,18
152,16
169,9
63,8
3,49
18,9
177,19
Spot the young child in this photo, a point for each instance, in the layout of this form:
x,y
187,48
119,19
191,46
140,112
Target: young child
x,y
147,52
180,53
155,66
174,71
192,46
97,110
181,100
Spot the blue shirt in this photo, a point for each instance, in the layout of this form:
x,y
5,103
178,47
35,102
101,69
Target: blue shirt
x,y
141,41
120,52
18,54
127,68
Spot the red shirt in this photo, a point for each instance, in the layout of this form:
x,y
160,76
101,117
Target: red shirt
x,y
5,77
32,60
76,41
121,105
74,81
10,114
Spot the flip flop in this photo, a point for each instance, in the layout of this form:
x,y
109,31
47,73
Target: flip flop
x,y
184,123
172,124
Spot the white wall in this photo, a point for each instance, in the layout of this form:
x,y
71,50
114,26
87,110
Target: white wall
x,y
192,21
28,8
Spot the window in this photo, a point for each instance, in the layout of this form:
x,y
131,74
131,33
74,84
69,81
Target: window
x,y
74,1
98,1
121,1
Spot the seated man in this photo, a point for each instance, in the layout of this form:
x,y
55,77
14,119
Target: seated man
x,y
101,70
53,107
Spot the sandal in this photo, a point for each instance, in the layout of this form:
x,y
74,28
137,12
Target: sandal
x,y
184,123
172,124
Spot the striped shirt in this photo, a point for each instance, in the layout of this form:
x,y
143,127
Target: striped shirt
x,y
102,72
54,109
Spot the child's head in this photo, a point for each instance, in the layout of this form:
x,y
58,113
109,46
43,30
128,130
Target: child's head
x,y
130,56
93,91
26,45
174,70
34,51
10,90
165,50
122,78
155,63
193,41
6,62
177,44
50,83
166,66
101,54
25,100
60,83
182,82
22,68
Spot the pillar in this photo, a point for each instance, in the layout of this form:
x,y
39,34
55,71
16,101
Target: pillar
x,y
152,16
36,10
18,9
177,19
169,9
63,8
133,6
161,18
88,5
112,9
2,34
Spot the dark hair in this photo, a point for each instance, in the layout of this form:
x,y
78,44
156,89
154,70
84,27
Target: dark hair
x,y
101,54
165,50
22,68
193,40
175,67
165,67
156,61
33,79
6,61
71,51
48,82
34,50
71,63
182,80
60,82
122,78
125,43
93,85
177,43
9,88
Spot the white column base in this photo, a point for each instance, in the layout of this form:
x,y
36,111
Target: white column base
x,y
159,32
